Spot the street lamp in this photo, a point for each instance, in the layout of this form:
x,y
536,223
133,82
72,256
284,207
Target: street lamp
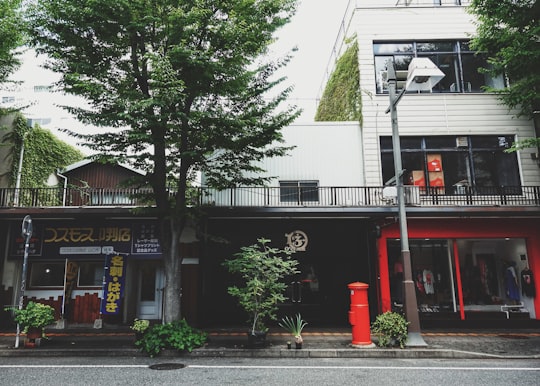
x,y
423,74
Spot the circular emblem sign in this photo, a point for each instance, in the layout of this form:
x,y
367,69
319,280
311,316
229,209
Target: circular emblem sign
x,y
297,241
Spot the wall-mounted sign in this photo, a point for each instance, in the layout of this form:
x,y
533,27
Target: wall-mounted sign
x,y
297,241
60,239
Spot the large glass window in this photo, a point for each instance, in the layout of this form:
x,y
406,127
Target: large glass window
x,y
47,274
90,274
455,58
452,163
433,274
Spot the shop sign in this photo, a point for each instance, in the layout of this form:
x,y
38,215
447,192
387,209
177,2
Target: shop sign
x,y
297,241
62,239
113,284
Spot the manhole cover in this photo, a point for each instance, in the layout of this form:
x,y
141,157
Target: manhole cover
x,y
167,366
513,336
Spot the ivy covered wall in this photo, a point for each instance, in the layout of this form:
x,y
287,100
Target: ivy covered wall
x,y
43,152
342,99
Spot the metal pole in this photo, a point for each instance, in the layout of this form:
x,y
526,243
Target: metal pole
x,y
414,338
27,234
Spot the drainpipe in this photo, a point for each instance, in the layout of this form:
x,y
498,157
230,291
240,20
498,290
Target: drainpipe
x,y
65,186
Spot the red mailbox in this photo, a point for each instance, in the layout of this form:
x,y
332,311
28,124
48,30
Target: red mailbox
x,y
359,314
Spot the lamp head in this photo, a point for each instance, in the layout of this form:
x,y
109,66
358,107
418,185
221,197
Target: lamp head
x,y
423,75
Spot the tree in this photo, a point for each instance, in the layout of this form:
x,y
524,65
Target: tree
x,y
509,31
182,88
10,37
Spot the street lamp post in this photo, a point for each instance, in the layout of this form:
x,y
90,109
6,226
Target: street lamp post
x,y
424,79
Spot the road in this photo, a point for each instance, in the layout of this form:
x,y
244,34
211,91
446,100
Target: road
x,y
266,372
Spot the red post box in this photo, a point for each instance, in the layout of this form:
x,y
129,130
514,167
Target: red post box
x,y
359,314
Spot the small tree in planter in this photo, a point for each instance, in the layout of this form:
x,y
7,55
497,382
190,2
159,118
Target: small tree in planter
x,y
35,316
262,269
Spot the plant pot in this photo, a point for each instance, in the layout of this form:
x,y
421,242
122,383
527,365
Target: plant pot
x,y
298,346
33,337
256,339
34,333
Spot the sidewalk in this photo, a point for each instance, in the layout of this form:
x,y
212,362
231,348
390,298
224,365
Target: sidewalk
x,y
322,343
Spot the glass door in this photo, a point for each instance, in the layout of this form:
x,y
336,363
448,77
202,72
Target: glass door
x,y
150,296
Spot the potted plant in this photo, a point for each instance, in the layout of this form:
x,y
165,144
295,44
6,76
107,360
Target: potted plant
x,y
140,326
295,327
262,269
391,329
33,318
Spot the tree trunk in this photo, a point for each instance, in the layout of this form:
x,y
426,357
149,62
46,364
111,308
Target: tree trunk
x,y
172,263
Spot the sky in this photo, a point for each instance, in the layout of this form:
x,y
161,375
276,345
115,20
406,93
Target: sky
x,y
313,31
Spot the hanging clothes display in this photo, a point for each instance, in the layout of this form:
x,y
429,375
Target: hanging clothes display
x,y
429,286
527,283
420,282
511,283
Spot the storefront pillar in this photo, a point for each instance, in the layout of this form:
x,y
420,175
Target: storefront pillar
x,y
384,280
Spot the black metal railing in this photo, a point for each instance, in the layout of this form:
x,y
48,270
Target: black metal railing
x,y
363,196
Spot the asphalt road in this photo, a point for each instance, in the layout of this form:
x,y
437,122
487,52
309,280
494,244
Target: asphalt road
x,y
229,371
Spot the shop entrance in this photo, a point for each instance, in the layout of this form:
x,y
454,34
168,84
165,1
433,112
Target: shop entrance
x,y
304,291
472,277
150,294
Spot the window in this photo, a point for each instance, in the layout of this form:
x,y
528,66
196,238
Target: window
x,y
90,274
42,88
456,59
47,274
106,197
298,191
451,163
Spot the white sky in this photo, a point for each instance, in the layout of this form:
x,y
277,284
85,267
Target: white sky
x,y
313,30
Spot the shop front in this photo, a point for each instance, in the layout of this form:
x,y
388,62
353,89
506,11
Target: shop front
x,y
108,270
465,269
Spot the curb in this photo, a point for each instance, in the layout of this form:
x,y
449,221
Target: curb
x,y
266,353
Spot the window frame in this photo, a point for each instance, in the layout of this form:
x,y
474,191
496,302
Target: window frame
x,y
409,49
299,191
32,279
467,154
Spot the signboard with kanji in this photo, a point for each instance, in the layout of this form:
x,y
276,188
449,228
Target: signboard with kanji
x,y
113,284
61,239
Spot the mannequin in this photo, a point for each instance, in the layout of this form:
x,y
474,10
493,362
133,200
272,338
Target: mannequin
x,y
511,283
527,283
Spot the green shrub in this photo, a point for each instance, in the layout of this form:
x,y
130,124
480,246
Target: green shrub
x,y
176,335
391,329
35,315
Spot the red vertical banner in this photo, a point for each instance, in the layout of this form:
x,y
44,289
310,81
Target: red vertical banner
x,y
113,284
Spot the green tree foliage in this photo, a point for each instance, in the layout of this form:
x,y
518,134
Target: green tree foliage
x,y
342,99
43,155
183,86
10,36
509,31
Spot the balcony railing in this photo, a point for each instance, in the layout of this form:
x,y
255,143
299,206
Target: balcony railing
x,y
278,197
